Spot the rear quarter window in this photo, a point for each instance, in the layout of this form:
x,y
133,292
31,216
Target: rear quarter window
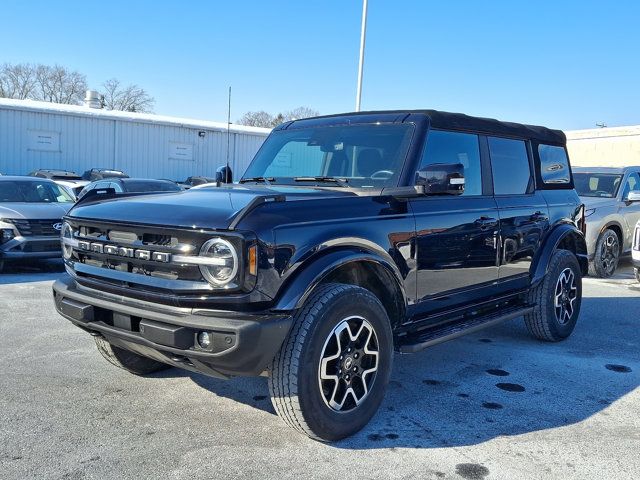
x,y
554,165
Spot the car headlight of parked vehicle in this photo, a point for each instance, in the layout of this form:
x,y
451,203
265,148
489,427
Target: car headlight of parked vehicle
x,y
7,232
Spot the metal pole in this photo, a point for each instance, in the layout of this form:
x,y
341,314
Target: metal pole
x,y
363,34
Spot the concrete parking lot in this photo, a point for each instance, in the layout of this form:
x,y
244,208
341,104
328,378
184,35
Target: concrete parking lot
x,y
496,404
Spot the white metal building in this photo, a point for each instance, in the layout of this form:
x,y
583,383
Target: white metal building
x,y
46,135
604,147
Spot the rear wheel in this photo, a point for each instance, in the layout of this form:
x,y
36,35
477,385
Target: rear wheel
x,y
556,299
331,373
607,255
129,361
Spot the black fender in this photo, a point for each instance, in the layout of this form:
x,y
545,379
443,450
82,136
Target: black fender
x,y
565,234
297,289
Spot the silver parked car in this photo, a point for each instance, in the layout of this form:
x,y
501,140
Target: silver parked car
x,y
612,207
635,252
31,211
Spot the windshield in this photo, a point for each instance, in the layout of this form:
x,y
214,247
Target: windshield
x,y
33,192
366,156
150,186
597,184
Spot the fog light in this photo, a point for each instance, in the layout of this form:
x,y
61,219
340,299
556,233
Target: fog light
x,y
204,339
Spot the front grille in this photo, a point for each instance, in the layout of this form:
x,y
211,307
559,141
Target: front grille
x,y
36,228
121,266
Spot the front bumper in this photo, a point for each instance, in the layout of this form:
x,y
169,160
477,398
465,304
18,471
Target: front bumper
x,y
242,344
25,248
635,258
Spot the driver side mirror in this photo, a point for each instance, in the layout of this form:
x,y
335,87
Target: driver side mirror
x,y
224,175
441,179
634,196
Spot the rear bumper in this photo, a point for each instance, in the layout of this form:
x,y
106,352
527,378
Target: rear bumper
x,y
241,344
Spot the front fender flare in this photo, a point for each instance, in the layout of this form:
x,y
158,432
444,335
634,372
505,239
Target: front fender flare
x,y
297,289
565,232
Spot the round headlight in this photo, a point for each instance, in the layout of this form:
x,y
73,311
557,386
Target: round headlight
x,y
66,232
221,265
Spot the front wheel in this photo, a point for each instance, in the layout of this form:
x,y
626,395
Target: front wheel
x,y
556,299
331,373
636,271
607,255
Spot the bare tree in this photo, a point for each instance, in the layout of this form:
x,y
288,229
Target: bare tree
x,y
59,85
257,119
131,98
298,113
266,120
18,81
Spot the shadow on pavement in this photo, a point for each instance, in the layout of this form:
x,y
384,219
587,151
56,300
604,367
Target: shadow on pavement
x,y
495,383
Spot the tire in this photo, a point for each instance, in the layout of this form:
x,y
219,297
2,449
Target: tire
x,y
1,265
607,255
129,361
549,322
315,406
636,271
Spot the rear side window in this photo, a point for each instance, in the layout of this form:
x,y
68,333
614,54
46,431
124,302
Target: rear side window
x,y
456,147
510,166
554,164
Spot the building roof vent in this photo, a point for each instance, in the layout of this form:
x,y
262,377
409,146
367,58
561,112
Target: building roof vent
x,y
93,99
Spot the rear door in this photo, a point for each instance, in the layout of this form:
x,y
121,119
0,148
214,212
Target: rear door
x,y
523,211
456,236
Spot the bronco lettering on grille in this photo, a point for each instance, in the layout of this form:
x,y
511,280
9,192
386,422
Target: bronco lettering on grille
x,y
124,251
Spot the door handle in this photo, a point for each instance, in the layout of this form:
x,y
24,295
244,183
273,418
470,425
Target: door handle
x,y
539,217
486,222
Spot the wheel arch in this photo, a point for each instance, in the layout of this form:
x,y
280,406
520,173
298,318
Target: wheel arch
x,y
565,237
617,228
349,266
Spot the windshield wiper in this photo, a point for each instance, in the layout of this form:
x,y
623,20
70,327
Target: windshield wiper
x,y
340,181
265,180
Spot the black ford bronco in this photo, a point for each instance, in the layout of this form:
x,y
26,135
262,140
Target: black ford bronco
x,y
348,238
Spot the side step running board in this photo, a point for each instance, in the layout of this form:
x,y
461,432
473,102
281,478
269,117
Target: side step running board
x,y
441,334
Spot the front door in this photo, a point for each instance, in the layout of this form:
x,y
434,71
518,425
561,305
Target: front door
x,y
456,236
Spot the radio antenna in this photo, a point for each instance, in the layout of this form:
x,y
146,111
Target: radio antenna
x,y
228,135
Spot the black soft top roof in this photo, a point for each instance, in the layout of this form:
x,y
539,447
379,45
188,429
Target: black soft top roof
x,y
438,119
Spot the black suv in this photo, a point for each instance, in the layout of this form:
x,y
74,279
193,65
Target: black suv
x,y
349,237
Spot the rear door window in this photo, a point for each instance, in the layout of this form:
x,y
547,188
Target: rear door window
x,y
510,166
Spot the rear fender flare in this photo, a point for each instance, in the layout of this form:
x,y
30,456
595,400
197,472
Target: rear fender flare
x,y
564,233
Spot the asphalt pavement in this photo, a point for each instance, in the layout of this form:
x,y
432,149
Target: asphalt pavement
x,y
492,405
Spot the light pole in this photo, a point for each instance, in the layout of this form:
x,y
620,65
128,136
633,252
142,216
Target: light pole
x,y
363,34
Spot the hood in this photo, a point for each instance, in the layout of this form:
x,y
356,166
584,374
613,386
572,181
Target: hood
x,y
211,207
34,211
597,202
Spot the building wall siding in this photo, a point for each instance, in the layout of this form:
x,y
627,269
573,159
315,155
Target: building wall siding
x,y
138,148
604,147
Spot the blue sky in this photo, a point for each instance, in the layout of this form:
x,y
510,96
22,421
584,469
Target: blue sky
x,y
564,64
